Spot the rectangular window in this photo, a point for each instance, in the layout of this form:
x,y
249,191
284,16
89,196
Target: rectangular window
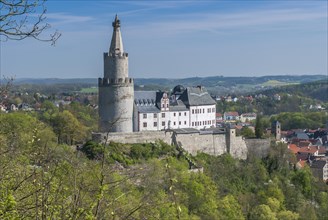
x,y
163,123
173,123
174,114
167,105
193,124
185,122
203,110
145,124
179,122
179,113
144,116
213,109
193,111
155,124
163,115
155,115
185,114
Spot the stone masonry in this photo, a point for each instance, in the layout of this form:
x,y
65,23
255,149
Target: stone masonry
x,y
116,92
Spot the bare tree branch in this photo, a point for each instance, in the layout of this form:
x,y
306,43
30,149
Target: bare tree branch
x,y
20,19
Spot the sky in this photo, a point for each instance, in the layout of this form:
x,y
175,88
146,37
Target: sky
x,y
177,39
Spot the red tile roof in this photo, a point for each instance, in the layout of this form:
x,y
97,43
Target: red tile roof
x,y
310,149
231,113
301,163
293,148
304,143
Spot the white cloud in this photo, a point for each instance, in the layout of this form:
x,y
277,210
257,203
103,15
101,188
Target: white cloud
x,y
218,22
58,19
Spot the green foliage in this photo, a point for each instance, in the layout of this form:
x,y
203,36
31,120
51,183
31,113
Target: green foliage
x,y
287,215
40,179
92,150
229,208
301,120
247,132
302,179
262,212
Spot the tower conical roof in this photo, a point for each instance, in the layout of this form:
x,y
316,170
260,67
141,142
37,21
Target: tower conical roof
x,y
116,46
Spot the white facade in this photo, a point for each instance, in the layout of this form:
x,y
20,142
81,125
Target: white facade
x,y
202,116
157,111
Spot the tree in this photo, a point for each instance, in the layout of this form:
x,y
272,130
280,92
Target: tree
x,y
20,19
247,132
258,127
262,212
229,208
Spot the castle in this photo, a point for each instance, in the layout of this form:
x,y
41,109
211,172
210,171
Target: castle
x,y
185,118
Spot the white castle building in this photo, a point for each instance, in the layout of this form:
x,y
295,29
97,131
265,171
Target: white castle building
x,y
123,110
190,107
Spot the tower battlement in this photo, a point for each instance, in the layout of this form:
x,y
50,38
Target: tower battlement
x,y
111,81
117,55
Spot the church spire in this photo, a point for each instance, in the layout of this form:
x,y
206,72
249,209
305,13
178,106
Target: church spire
x,y
116,46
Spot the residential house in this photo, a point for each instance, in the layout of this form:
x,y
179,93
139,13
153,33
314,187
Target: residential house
x,y
247,117
319,169
230,116
219,117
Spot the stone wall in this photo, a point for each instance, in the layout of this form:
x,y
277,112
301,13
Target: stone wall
x,y
193,143
258,147
213,144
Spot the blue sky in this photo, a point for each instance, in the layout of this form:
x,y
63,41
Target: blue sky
x,y
178,39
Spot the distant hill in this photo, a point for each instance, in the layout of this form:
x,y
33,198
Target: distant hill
x,y
315,90
217,85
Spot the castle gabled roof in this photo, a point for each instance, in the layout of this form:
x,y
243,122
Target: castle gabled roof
x,y
178,105
145,101
195,96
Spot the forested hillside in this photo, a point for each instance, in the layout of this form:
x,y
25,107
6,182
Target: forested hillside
x,y
315,90
42,177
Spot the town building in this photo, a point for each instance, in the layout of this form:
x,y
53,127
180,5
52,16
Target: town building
x,y
231,116
247,117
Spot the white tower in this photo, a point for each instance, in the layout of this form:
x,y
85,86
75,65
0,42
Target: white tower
x,y
116,88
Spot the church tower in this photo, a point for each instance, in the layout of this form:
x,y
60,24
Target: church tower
x,y
116,88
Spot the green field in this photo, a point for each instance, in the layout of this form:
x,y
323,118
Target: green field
x,y
276,83
89,90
